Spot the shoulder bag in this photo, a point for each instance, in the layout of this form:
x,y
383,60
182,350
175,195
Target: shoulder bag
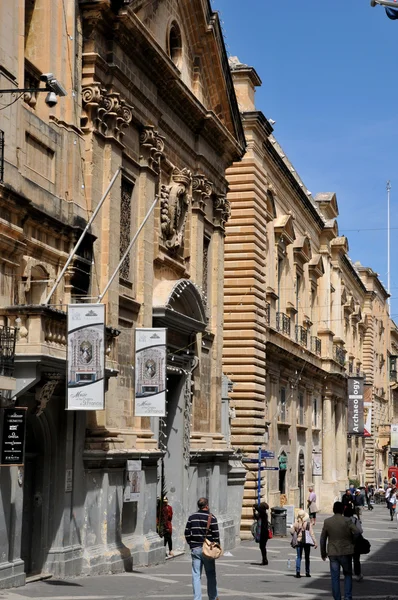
x,y
211,549
362,545
308,537
294,541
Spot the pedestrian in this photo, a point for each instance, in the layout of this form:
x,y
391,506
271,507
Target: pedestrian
x,y
166,525
393,502
368,496
202,525
352,518
393,479
359,503
311,505
337,543
305,540
385,483
261,516
387,496
347,499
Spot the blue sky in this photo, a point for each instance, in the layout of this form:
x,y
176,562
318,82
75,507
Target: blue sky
x,y
331,84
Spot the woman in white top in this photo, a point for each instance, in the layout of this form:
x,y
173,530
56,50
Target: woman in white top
x,y
305,539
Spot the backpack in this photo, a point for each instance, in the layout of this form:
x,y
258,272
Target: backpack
x,y
256,530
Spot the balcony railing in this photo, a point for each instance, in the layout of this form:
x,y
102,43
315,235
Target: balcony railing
x,y
7,350
316,345
301,335
339,355
267,313
393,375
283,323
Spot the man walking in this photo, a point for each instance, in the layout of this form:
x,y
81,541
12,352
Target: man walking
x,y
339,535
200,525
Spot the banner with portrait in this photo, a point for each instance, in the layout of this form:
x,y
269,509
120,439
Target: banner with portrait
x,y
150,372
86,357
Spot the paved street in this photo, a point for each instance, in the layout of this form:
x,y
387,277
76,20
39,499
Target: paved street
x,y
240,576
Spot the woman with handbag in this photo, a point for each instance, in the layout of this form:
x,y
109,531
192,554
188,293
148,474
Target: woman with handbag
x,y
351,516
263,533
304,539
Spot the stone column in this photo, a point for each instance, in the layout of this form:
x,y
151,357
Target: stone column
x,y
341,444
328,452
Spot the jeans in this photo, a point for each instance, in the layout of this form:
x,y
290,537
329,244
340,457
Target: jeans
x,y
344,561
198,562
307,550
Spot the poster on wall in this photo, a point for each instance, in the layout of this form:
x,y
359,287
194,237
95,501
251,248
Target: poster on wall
x,y
355,424
86,357
13,437
317,463
394,438
150,372
132,485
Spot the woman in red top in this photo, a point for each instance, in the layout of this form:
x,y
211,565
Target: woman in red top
x,y
166,518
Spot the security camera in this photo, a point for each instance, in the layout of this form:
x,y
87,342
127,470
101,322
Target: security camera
x,y
52,84
51,99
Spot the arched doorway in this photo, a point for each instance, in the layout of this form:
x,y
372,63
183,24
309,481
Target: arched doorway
x,y
300,477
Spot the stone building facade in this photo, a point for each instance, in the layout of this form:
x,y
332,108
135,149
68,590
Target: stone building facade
x,y
295,322
150,98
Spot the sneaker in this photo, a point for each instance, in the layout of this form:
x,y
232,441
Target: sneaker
x,y
359,577
298,575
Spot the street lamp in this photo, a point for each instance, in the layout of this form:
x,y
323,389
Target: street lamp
x,y
52,87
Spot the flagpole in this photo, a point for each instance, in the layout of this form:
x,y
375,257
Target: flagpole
x,y
388,187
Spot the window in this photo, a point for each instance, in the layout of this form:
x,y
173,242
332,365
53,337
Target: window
x,y
125,226
175,44
280,274
315,412
300,412
282,406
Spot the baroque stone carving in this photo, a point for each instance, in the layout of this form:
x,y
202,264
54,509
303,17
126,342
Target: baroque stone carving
x,y
104,111
152,147
174,202
222,210
201,191
45,393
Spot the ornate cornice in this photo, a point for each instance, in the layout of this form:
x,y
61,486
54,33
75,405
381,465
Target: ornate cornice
x,y
201,191
105,112
152,147
222,210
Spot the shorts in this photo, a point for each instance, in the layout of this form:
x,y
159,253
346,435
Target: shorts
x,y
312,515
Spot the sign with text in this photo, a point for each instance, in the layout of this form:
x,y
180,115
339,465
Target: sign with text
x,y
355,424
150,372
86,357
394,438
367,409
317,463
132,486
13,439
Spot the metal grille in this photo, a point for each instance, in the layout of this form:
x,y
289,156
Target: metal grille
x,y
125,226
301,335
339,355
316,345
267,313
283,323
7,350
1,156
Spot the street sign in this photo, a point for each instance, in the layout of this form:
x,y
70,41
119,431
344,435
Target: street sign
x,y
270,468
13,440
267,454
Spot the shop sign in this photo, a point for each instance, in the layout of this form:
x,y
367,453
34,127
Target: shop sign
x,y
394,437
355,425
86,357
132,485
13,438
150,372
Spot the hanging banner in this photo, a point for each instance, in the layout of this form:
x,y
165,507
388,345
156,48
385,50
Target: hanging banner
x,y
13,438
367,405
86,357
132,484
394,438
355,424
150,372
317,463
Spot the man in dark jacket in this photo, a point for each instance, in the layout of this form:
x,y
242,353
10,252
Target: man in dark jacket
x,y
339,533
200,525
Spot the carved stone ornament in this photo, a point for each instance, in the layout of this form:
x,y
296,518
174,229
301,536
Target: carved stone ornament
x,y
44,393
222,210
174,202
105,112
152,147
201,191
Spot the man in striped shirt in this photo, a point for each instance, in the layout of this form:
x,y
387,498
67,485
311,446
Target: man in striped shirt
x,y
195,534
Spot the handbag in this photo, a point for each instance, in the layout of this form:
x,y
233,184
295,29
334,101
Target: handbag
x,y
313,507
210,549
294,542
270,532
362,545
308,538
